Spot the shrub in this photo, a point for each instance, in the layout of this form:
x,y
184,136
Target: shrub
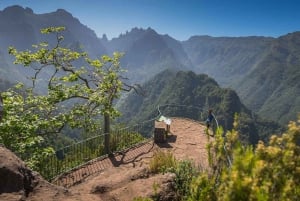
x,y
202,188
265,173
184,173
162,161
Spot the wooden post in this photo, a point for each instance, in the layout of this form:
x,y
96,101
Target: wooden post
x,y
160,132
107,133
1,107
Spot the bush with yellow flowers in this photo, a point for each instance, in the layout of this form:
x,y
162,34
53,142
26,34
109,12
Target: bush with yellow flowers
x,y
267,172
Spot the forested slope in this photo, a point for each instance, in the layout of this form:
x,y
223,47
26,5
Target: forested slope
x,y
190,89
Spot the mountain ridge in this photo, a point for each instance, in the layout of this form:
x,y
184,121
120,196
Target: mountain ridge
x,y
277,76
21,29
231,61
199,91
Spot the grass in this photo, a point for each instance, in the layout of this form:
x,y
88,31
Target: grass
x,y
162,161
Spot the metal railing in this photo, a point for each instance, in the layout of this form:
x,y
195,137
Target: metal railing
x,y
75,155
187,111
195,113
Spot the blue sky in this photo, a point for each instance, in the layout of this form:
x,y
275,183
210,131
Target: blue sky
x,y
178,18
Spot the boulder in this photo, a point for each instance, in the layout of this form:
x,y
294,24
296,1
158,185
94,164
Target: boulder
x,y
15,175
20,183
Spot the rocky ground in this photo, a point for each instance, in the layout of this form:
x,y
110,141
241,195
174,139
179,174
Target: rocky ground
x,y
122,177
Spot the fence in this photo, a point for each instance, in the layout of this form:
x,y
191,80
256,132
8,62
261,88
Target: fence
x,y
75,155
78,154
191,112
186,111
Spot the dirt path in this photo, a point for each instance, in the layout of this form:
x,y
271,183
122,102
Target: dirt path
x,y
126,176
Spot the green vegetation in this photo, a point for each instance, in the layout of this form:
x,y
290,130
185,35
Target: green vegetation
x,y
197,94
142,199
184,171
162,161
124,140
184,174
267,172
272,88
80,91
79,153
263,70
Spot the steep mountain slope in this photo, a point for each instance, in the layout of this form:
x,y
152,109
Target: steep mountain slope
x,y
231,61
178,50
21,28
262,70
226,58
273,87
147,53
189,89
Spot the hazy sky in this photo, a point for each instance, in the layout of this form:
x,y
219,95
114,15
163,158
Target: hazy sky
x,y
178,18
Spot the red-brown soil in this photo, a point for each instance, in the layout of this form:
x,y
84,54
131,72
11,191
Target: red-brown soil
x,y
126,176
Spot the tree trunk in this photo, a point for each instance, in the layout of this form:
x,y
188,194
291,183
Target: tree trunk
x,y
107,133
1,107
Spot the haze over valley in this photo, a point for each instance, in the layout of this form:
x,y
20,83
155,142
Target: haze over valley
x,y
264,71
144,100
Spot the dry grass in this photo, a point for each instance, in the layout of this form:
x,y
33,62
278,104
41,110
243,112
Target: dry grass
x,y
161,161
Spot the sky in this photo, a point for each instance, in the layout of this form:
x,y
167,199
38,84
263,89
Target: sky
x,y
180,19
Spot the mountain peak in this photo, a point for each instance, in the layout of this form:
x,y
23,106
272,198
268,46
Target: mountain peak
x,y
14,8
60,10
137,30
104,38
151,31
17,9
64,13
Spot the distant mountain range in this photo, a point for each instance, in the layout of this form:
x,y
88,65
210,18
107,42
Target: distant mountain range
x,y
272,87
264,71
